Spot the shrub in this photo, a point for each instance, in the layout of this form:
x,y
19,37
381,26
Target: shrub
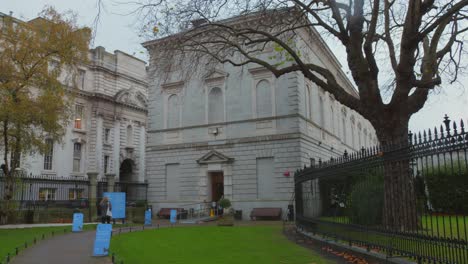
x,y
225,203
365,202
447,189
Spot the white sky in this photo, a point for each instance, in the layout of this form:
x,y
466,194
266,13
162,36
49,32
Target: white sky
x,y
119,32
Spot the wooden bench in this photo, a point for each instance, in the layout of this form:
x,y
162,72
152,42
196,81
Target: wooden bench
x,y
166,212
265,213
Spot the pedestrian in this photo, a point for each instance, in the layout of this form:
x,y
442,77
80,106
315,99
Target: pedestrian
x,y
106,210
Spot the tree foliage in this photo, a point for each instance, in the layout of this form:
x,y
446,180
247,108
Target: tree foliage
x,y
38,62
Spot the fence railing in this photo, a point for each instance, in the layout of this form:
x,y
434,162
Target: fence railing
x,y
408,199
48,198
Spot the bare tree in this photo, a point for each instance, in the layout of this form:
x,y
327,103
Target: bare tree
x,y
415,44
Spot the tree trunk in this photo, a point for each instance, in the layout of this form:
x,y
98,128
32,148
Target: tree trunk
x,y
399,212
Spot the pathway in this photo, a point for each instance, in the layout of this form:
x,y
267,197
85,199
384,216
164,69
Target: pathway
x,y
71,248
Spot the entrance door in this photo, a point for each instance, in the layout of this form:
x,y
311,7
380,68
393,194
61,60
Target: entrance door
x,y
217,185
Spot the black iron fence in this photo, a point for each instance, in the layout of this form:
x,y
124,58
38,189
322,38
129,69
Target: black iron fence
x,y
405,200
48,198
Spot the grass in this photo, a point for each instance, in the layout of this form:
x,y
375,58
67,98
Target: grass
x,y
212,244
452,227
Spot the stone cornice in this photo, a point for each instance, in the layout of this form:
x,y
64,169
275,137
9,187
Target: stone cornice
x,y
117,73
107,98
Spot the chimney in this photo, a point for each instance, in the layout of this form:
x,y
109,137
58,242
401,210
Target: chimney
x,y
199,22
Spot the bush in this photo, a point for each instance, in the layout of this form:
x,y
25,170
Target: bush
x,y
366,201
225,203
448,189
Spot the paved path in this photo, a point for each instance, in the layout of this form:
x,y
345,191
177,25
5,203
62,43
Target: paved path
x,y
71,248
37,225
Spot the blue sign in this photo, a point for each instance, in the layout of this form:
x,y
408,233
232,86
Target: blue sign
x,y
117,200
148,217
77,222
102,241
173,216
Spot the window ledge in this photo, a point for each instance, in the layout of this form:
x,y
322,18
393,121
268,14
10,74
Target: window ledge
x,y
49,172
77,174
76,130
107,144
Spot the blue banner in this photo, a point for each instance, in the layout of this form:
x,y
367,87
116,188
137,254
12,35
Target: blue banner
x,y
102,241
173,216
117,200
148,217
77,222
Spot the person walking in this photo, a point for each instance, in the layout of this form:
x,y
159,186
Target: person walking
x,y
106,210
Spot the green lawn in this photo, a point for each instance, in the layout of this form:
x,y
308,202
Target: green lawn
x,y
211,244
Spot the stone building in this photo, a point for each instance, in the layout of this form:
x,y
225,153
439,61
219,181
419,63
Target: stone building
x,y
240,132
108,130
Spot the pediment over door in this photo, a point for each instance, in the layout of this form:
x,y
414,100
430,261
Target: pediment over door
x,y
214,157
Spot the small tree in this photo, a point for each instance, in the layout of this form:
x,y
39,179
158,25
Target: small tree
x,y
34,99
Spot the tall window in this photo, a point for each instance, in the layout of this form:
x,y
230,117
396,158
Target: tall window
x,y
353,140
77,157
107,135
263,99
106,164
48,154
332,120
129,135
366,143
215,106
359,135
308,101
343,121
321,114
172,111
81,79
79,116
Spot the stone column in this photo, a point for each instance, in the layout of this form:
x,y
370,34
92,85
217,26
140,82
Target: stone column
x,y
110,181
92,176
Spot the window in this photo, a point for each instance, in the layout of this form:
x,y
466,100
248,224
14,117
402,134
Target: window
x,y
263,99
106,164
77,157
129,135
75,194
47,194
48,154
343,120
332,120
172,111
353,140
215,106
308,102
81,79
53,65
107,135
359,135
79,116
321,114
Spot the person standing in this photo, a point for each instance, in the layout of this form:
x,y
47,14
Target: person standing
x,y
106,210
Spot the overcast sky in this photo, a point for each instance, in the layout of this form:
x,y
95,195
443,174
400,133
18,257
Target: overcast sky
x,y
117,31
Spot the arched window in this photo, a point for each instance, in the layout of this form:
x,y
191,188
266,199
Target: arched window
x,y
77,157
308,101
263,99
215,106
332,120
353,140
322,113
129,135
173,111
359,135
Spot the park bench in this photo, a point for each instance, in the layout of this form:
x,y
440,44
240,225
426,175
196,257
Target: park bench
x,y
166,212
266,213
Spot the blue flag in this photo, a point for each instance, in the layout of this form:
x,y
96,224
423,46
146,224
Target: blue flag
x,y
148,217
117,200
102,241
77,222
173,216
